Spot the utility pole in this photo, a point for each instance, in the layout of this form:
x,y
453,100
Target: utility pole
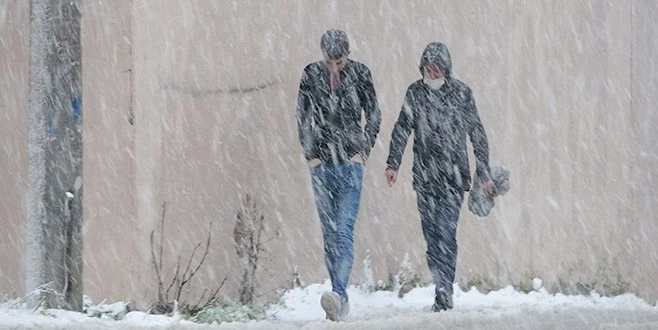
x,y
53,261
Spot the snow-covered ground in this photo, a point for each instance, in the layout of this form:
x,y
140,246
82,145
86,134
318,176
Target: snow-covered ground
x,y
300,309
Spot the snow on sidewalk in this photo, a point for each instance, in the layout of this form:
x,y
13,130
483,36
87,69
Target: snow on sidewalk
x,y
300,309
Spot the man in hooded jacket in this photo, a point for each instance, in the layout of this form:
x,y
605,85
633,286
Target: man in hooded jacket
x,y
441,112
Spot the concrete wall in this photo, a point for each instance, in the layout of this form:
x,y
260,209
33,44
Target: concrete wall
x,y
14,42
192,104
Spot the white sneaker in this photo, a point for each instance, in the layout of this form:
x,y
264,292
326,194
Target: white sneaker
x,y
344,309
330,302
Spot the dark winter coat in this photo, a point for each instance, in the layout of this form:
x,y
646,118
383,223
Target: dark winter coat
x,y
440,120
329,122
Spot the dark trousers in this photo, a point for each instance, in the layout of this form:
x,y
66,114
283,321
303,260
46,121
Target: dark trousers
x,y
439,214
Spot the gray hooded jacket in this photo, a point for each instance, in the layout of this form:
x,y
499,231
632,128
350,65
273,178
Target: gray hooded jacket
x,y
440,120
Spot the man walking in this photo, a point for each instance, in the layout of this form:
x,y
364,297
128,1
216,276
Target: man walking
x,y
441,112
334,94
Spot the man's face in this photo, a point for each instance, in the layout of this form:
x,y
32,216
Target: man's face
x,y
432,71
335,65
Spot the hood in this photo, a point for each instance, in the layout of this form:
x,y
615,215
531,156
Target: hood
x,y
436,53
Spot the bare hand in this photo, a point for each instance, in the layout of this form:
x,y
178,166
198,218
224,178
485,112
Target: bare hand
x,y
391,176
314,162
357,159
489,187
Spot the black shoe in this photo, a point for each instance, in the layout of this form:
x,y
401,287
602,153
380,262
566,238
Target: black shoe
x,y
442,303
438,308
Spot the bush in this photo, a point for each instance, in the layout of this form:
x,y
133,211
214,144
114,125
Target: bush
x,y
229,313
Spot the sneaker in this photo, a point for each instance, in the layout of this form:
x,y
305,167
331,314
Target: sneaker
x,y
344,309
330,302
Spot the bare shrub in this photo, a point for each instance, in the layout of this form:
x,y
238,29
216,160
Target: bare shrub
x,y
170,298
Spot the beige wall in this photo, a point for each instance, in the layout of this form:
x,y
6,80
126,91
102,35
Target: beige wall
x,y
14,40
566,90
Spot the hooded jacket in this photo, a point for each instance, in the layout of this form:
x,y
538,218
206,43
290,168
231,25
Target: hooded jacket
x,y
440,120
329,122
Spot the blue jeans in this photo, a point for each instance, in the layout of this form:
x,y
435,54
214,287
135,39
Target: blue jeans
x,y
439,216
337,189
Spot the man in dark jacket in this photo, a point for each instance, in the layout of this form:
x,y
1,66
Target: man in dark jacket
x,y
333,95
441,112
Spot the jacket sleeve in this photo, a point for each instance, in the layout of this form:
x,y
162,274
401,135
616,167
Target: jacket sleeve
x,y
478,137
305,122
401,132
370,106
